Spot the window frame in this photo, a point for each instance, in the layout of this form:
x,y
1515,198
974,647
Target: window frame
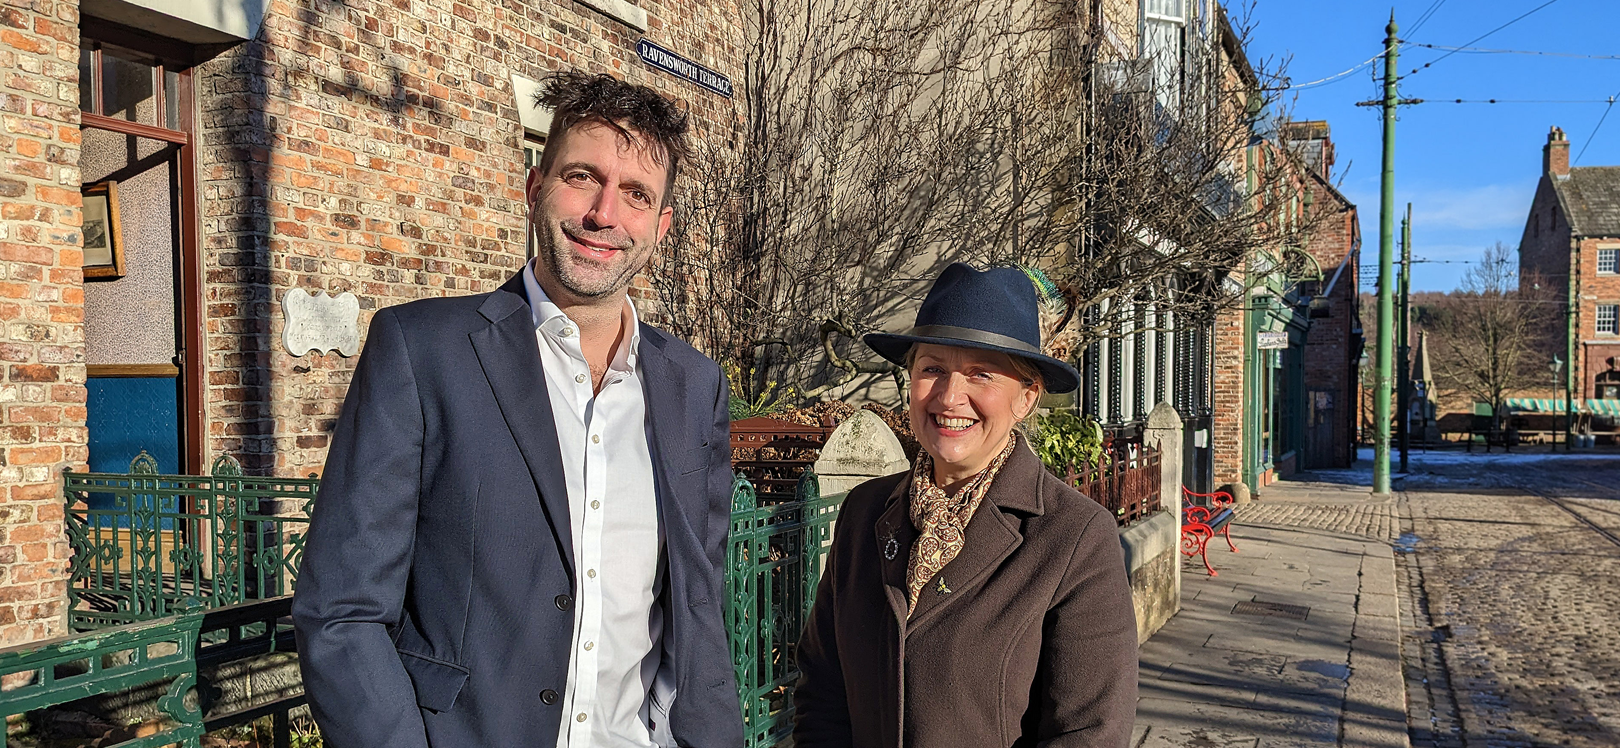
x,y
1613,320
1613,255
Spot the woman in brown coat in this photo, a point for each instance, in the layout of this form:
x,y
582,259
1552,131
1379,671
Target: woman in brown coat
x,y
974,600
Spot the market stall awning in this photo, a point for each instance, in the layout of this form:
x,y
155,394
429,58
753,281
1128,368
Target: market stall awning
x,y
1538,405
1603,407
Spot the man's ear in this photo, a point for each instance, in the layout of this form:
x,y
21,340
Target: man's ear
x,y
666,216
531,185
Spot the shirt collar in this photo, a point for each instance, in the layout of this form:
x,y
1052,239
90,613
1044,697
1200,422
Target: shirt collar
x,y
550,319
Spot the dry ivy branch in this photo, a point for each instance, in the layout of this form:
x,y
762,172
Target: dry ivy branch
x,y
879,140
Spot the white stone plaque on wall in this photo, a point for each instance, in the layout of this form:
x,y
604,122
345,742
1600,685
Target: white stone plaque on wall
x,y
320,323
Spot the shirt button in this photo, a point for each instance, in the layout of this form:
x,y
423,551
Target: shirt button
x,y
566,331
579,378
596,438
590,573
590,646
596,505
581,717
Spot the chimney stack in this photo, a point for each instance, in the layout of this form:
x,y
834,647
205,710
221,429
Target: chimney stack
x,y
1555,156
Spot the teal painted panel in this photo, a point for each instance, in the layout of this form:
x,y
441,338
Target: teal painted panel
x,y
130,414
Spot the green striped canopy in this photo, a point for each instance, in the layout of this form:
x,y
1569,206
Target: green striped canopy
x,y
1538,405
1604,407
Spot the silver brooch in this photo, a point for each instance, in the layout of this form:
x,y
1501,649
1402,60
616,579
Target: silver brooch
x,y
891,547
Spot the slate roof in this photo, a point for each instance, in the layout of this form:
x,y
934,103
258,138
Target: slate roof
x,y
1591,200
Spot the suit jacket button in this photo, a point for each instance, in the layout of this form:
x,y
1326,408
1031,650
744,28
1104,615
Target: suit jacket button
x,y
548,697
564,602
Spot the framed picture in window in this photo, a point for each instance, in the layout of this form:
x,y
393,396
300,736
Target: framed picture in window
x,y
103,240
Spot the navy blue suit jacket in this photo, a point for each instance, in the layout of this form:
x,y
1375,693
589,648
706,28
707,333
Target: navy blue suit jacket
x,y
434,599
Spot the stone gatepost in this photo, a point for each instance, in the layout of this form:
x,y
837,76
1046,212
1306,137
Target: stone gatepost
x,y
860,449
1164,430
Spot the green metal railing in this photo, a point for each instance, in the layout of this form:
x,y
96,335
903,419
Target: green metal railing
x,y
773,565
178,649
143,542
145,545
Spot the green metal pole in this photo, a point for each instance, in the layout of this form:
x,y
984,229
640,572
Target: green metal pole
x,y
1386,274
1569,350
1403,336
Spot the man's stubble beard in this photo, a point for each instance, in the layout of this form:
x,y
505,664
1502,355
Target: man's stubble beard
x,y
556,254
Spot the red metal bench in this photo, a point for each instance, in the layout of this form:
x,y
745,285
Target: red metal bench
x,y
1203,515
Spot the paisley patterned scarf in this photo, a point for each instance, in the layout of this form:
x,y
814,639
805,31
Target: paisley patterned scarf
x,y
942,519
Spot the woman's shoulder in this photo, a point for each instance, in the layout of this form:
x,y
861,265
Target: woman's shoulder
x,y
866,502
1068,506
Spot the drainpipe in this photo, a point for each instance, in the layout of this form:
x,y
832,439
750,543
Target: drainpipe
x,y
1571,322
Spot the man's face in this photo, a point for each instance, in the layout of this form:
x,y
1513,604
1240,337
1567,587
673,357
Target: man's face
x,y
598,211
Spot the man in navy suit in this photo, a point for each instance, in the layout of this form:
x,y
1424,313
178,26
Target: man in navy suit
x,y
519,540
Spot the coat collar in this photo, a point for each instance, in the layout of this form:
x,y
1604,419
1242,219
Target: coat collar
x,y
991,536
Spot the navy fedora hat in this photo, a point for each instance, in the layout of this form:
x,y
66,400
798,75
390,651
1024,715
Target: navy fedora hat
x,y
992,310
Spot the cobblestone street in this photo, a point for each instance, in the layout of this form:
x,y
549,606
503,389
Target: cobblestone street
x,y
1508,574
1511,591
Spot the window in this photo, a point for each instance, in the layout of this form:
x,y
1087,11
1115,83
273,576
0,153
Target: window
x,y
1164,43
1608,259
1607,317
127,85
532,149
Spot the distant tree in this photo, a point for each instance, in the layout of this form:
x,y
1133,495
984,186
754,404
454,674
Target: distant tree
x,y
1492,336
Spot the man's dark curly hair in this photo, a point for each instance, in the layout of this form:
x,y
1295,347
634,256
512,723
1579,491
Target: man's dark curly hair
x,y
640,114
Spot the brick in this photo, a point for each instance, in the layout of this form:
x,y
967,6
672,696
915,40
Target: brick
x,y
35,373
34,455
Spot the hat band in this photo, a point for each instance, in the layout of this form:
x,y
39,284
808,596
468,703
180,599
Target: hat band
x,y
973,336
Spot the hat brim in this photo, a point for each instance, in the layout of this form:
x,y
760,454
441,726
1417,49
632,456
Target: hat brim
x,y
1057,376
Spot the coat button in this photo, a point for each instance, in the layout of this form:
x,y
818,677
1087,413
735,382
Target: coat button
x,y
564,602
548,697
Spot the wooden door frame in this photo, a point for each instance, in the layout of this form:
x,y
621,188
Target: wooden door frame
x,y
191,342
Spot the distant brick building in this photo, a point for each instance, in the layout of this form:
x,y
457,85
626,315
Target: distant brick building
x,y
168,180
1334,338
1571,244
1285,363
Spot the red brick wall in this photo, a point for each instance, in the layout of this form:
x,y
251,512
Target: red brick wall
x,y
42,396
1593,350
1331,362
1226,430
373,147
1545,244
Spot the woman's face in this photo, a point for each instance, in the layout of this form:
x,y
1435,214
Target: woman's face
x,y
964,403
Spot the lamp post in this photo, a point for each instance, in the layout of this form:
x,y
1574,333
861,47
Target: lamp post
x,y
1556,366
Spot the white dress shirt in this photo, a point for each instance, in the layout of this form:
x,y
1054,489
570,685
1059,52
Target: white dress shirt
x,y
618,540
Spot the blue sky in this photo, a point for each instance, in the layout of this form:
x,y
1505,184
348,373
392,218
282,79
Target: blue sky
x,y
1469,170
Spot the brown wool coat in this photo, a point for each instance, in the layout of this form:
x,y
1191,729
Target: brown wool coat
x,y
1034,645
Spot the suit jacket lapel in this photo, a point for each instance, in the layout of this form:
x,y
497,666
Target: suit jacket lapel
x,y
989,538
510,356
663,385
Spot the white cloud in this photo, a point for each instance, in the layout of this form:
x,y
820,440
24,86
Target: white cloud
x,y
1491,206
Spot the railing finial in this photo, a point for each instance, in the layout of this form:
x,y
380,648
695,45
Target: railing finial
x,y
143,464
226,466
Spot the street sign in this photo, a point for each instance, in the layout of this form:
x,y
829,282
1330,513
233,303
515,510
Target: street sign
x,y
1268,341
680,67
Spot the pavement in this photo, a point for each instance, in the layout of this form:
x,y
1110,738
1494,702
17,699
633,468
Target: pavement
x,y
1477,607
1296,642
